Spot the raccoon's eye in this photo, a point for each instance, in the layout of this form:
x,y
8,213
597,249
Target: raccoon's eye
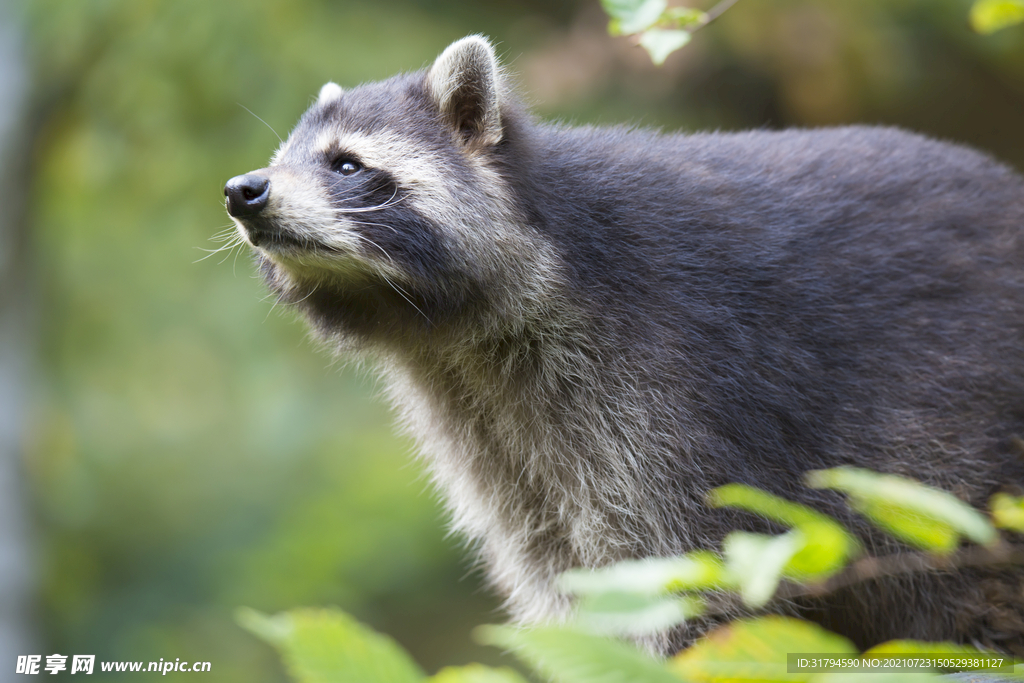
x,y
347,166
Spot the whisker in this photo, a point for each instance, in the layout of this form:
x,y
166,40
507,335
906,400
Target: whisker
x,y
354,197
241,245
277,300
311,293
210,252
378,225
351,197
234,261
261,121
391,201
402,294
367,239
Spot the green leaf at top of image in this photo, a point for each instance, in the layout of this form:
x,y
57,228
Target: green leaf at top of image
x,y
660,42
476,673
684,17
988,16
757,562
922,516
1008,511
629,614
570,656
827,545
698,570
329,646
632,16
755,650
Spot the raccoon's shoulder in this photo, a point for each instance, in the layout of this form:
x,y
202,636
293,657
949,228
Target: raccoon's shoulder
x,y
632,175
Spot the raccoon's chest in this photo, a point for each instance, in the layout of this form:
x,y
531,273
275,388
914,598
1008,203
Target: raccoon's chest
x,y
540,487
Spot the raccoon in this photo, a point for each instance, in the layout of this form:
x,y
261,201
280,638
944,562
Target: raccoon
x,y
586,329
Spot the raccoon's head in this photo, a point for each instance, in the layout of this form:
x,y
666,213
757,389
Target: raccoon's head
x,y
387,208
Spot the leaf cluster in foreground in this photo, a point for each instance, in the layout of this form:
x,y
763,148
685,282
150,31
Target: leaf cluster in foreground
x,y
641,599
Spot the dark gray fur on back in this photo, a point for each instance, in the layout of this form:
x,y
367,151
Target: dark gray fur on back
x,y
588,328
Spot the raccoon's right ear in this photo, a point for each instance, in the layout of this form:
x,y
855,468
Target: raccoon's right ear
x,y
465,85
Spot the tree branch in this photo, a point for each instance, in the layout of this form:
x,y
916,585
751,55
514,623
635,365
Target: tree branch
x,y
715,12
906,563
729,603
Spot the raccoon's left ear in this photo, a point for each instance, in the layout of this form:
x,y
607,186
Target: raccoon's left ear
x,y
465,85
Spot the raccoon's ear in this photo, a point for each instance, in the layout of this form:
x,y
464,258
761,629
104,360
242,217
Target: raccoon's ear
x,y
330,91
465,85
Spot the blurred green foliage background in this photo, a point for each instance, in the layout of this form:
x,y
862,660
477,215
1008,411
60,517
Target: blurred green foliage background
x,y
189,450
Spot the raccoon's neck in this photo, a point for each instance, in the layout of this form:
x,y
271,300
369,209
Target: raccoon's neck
x,y
535,462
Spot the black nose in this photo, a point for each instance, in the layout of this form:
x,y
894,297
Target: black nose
x,y
247,194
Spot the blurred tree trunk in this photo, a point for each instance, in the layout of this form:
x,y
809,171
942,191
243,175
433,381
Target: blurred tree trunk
x,y
16,345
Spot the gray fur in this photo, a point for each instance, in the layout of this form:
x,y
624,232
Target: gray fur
x,y
587,328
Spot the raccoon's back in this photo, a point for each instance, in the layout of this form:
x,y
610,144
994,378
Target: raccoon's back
x,y
812,297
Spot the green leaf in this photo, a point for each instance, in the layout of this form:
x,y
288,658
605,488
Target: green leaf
x,y
922,516
660,43
275,630
988,16
755,649
911,527
628,614
700,570
827,550
827,545
569,656
476,673
1008,512
633,16
329,646
756,562
766,504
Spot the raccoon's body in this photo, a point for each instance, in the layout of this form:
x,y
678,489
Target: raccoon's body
x,y
586,329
